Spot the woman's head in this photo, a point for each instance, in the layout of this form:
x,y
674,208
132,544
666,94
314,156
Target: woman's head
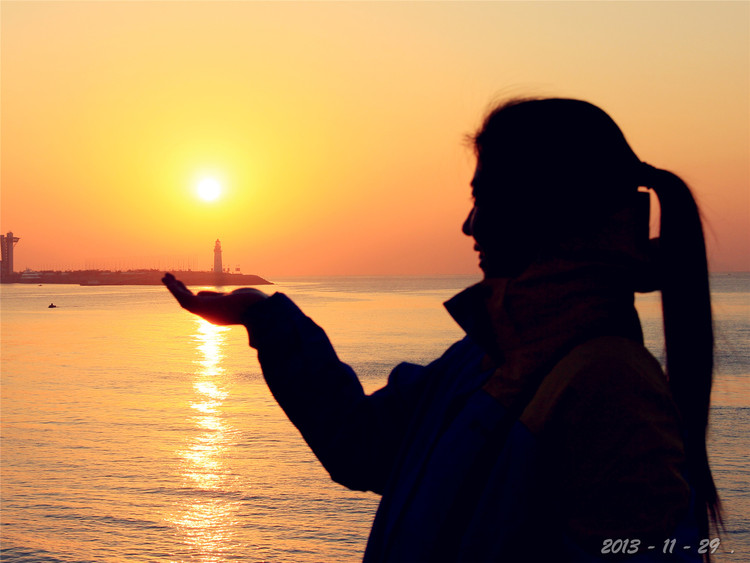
x,y
547,170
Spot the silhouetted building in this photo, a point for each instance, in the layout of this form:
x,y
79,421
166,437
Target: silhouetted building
x,y
217,257
7,242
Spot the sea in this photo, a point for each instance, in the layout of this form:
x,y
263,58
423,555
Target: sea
x,y
131,430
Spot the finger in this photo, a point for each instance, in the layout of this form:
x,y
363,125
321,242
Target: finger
x,y
178,289
170,281
173,283
183,295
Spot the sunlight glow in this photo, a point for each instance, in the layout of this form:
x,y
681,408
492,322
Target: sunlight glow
x,y
207,519
208,189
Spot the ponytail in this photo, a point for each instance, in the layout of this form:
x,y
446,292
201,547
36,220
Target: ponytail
x,y
688,328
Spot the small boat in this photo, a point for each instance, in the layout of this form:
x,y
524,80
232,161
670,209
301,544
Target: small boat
x,y
51,306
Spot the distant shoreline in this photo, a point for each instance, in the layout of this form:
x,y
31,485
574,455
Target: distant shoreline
x,y
131,277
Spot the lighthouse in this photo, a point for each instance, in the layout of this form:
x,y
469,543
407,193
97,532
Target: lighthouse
x,y
217,257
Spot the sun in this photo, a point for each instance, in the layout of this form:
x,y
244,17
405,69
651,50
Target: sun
x,y
208,189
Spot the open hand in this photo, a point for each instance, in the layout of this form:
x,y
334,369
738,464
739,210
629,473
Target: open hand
x,y
216,307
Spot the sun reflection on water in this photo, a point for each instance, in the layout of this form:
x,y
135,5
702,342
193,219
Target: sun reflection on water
x,y
206,514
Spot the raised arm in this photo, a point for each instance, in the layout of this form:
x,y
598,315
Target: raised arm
x,y
355,436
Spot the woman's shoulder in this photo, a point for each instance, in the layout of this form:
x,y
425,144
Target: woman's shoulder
x,y
608,372
609,362
609,428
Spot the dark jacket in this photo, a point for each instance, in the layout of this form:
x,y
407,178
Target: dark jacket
x,y
558,469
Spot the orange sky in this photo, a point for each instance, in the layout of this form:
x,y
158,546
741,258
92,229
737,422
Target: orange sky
x,y
336,129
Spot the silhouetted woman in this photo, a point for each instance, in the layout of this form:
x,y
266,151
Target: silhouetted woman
x,y
548,433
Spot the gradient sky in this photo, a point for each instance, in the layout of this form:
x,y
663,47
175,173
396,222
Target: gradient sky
x,y
337,129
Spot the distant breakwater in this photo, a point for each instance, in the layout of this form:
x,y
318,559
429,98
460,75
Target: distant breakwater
x,y
131,277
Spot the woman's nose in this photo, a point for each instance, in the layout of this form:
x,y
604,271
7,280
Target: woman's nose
x,y
467,226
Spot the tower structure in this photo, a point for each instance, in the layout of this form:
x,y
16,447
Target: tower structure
x,y
218,268
7,242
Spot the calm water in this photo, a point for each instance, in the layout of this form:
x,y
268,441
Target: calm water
x,y
131,431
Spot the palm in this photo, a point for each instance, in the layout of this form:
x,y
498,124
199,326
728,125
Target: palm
x,y
218,308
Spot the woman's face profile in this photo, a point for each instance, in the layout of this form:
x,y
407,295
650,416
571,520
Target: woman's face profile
x,y
498,222
484,223
473,222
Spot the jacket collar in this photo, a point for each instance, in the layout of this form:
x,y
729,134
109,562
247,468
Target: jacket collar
x,y
527,324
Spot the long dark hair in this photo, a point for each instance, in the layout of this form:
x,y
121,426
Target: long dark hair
x,y
688,327
564,166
